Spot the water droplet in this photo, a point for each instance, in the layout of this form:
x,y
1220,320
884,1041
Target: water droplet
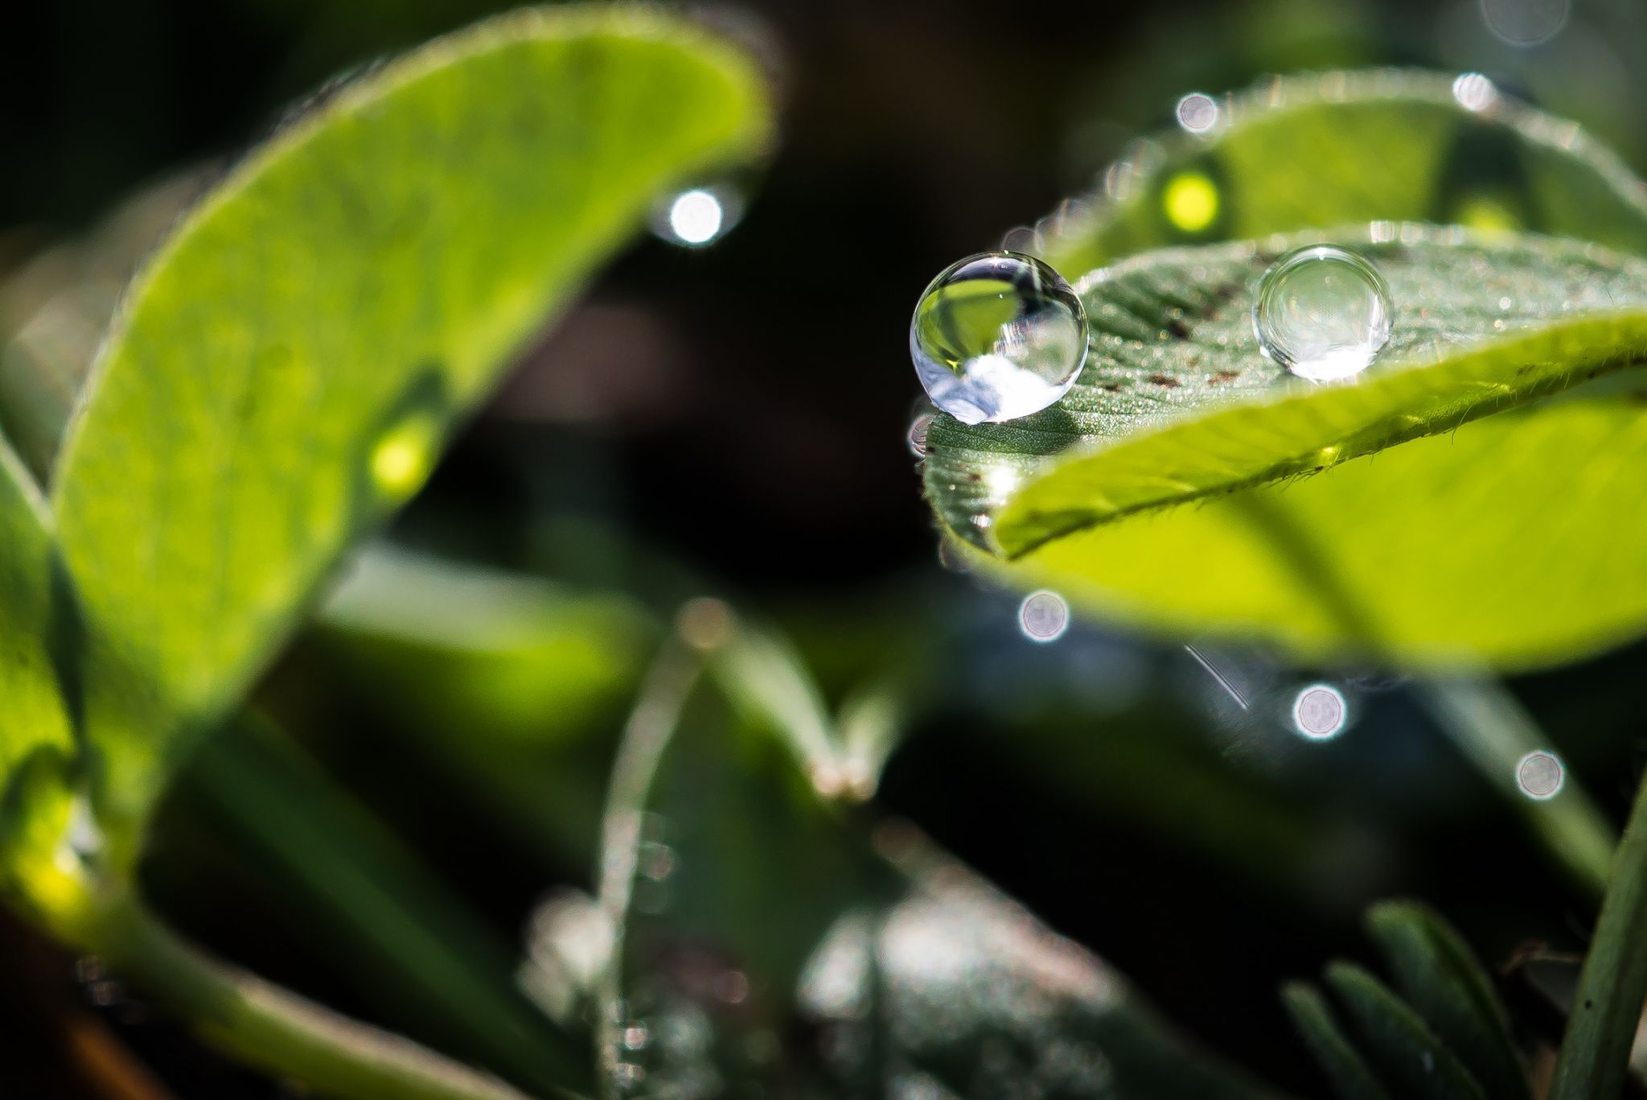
x,y
402,457
1540,775
1475,92
997,336
1322,312
1190,201
917,434
1318,712
1043,616
697,216
1197,112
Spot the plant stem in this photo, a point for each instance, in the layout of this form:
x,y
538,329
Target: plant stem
x,y
273,1028
1595,1052
1479,716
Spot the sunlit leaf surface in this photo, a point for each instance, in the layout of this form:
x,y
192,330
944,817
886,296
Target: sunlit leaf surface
x,y
284,372
1335,148
1187,481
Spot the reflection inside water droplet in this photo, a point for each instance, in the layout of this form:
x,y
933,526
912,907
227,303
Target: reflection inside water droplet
x,y
1322,312
997,336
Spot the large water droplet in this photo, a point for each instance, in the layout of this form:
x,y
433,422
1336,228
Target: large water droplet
x,y
1322,312
997,336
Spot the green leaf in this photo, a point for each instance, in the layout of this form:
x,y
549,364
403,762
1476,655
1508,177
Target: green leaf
x,y
1441,977
1311,525
1607,1006
283,373
457,647
1404,1049
1331,149
809,959
38,635
516,684
1351,1077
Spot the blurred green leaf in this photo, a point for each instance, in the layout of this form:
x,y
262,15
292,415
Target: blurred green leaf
x,y
1441,978
516,683
284,372
1312,526
1351,1077
1403,1047
1328,149
767,945
505,656
371,909
1607,1005
37,747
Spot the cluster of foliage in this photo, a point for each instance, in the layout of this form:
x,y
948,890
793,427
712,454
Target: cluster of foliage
x,y
283,373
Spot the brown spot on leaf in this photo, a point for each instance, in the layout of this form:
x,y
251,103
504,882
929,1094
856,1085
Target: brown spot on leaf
x,y
1225,376
1112,387
1177,328
1163,380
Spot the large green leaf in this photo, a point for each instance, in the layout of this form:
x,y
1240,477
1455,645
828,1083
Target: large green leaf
x,y
1335,148
1309,523
284,371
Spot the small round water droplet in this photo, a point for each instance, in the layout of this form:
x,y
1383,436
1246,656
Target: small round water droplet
x,y
997,336
1475,92
1318,712
1540,775
1322,312
917,434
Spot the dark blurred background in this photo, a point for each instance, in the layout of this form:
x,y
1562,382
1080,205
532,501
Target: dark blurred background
x,y
740,412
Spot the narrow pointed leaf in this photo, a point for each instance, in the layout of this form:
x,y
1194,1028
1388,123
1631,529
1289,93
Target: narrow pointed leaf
x,y
1351,1077
1441,978
1406,1052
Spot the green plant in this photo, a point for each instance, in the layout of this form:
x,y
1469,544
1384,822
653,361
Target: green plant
x,y
283,374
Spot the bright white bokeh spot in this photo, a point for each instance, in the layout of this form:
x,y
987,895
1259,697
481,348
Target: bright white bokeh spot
x,y
696,216
1475,92
1525,22
1197,112
1319,712
1043,616
1540,775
